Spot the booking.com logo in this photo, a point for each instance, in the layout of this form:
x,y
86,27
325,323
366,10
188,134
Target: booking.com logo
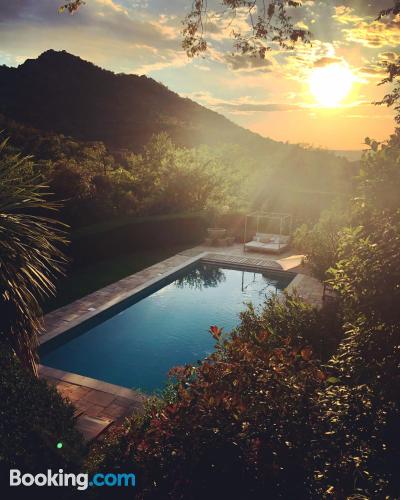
x,y
81,481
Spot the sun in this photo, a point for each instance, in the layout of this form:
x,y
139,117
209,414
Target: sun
x,y
331,84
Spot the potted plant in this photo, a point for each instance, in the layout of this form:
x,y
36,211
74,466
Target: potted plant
x,y
215,232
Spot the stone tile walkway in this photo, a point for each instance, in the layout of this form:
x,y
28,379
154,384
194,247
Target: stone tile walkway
x,y
104,404
308,288
98,404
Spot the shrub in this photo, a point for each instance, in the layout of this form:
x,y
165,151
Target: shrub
x,y
361,414
294,319
239,426
320,243
118,237
263,418
33,419
358,443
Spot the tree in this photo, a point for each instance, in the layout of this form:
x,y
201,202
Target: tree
x,y
392,68
367,273
29,254
269,24
72,6
320,242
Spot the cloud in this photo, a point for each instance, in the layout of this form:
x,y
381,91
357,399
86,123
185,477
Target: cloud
x,y
346,15
327,61
144,36
372,71
388,56
373,33
242,62
112,5
120,37
243,104
269,107
376,68
297,65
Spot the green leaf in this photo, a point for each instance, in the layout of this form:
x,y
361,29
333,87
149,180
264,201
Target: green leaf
x,y
332,380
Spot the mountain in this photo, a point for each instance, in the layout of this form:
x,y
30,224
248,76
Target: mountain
x,y
59,98
59,92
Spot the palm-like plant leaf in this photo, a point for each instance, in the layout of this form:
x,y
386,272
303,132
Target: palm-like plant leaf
x,y
30,257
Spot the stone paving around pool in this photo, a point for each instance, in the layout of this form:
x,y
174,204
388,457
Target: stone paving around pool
x,y
100,405
97,404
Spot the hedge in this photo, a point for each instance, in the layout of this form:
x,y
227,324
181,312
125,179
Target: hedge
x,y
129,234
114,238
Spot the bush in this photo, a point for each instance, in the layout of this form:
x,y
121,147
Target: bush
x,y
33,419
367,275
239,425
113,238
320,243
294,319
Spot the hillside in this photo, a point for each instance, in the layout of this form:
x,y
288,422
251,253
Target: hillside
x,y
87,122
61,93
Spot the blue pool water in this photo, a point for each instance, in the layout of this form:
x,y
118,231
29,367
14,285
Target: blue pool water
x,y
135,347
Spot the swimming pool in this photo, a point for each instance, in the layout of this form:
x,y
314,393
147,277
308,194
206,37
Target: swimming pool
x,y
135,344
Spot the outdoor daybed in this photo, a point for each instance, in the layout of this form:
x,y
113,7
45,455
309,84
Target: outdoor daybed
x,y
268,243
269,240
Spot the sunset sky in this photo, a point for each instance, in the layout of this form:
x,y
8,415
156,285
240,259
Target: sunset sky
x,y
285,97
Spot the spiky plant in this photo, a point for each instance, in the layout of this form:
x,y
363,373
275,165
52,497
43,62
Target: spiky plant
x,y
30,257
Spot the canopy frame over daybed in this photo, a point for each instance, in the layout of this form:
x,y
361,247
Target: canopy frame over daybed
x,y
281,217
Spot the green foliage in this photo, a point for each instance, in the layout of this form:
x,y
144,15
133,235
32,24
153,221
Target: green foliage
x,y
237,426
367,279
367,274
273,27
29,254
289,317
320,243
358,443
34,418
95,184
71,7
379,180
131,234
171,179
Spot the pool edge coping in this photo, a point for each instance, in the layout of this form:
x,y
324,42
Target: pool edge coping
x,y
116,300
206,257
96,384
91,383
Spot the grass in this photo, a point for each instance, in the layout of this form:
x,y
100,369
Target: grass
x,y
84,280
